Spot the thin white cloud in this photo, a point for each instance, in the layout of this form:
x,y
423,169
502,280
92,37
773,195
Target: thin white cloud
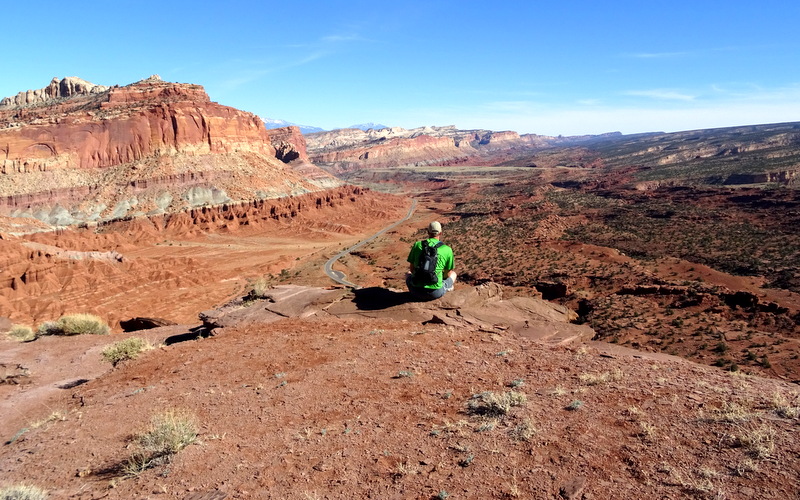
x,y
754,92
305,60
341,38
330,40
661,94
510,106
243,72
658,55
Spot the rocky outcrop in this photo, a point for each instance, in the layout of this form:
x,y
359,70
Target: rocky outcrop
x,y
779,177
95,153
67,87
289,144
482,308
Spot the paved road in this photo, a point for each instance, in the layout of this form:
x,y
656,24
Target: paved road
x,y
339,276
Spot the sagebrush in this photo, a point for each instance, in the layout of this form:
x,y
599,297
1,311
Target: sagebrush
x,y
124,350
23,333
22,492
492,403
169,433
75,324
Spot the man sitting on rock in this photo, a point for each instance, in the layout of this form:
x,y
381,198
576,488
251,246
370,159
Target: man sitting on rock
x,y
430,285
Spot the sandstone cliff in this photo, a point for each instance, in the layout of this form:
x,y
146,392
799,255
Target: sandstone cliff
x,y
289,144
350,149
75,152
67,87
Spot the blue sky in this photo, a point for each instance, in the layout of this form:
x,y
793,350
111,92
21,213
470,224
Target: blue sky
x,y
569,67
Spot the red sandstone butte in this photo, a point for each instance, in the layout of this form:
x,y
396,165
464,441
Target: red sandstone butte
x,y
151,145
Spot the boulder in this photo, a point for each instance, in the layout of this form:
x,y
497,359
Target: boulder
x,y
140,323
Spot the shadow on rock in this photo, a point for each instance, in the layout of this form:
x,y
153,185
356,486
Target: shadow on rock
x,y
193,334
375,298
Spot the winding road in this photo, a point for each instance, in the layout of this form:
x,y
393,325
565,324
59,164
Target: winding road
x,y
339,276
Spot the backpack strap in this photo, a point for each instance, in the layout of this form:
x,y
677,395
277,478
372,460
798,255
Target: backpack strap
x,y
424,244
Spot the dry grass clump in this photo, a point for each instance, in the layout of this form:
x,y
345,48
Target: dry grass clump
x,y
698,483
75,324
523,431
733,413
23,333
786,407
758,440
601,378
22,492
55,416
259,289
169,433
124,350
492,403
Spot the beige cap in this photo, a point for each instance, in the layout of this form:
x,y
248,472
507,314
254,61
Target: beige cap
x,y
434,227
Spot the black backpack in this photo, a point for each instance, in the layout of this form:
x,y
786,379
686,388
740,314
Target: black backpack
x,y
425,270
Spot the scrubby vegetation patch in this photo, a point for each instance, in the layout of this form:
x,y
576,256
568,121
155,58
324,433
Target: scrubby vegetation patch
x,y
75,324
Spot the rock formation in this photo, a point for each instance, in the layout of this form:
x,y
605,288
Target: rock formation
x,y
289,144
67,87
75,152
349,149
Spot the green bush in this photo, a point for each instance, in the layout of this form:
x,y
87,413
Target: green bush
x,y
75,324
22,492
124,350
23,333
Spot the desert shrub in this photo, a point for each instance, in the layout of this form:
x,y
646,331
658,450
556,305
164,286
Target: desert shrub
x,y
23,333
75,324
492,403
169,433
259,289
124,350
758,440
22,492
601,378
523,431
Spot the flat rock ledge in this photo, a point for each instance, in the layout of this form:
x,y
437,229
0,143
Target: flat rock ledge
x,y
481,308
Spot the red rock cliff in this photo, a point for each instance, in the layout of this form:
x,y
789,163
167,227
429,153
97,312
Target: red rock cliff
x,y
289,144
149,146
125,124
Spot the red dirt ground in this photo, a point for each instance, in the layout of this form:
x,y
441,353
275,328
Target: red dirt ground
x,y
327,407
333,408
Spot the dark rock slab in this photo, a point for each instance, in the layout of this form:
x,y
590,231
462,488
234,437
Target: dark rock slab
x,y
141,323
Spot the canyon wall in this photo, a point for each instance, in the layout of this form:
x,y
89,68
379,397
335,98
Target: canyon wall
x,y
75,152
351,149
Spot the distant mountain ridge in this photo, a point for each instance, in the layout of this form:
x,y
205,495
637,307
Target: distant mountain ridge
x,y
369,126
273,123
